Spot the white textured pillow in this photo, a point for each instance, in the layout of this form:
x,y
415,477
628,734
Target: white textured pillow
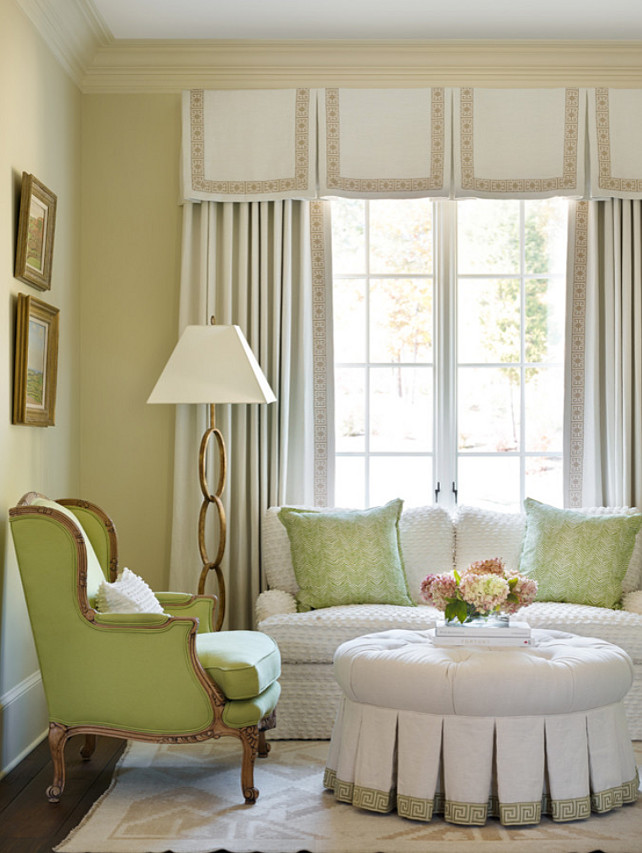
x,y
427,539
127,594
482,533
632,601
277,558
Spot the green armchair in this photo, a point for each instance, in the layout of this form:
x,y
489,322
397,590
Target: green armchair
x,y
163,677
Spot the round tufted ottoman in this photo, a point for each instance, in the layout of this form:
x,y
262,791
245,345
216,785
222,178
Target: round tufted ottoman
x,y
473,731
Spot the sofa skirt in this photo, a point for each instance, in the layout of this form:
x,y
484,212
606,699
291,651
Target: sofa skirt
x,y
472,768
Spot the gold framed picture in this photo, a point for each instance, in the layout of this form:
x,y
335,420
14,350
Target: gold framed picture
x,y
36,362
36,227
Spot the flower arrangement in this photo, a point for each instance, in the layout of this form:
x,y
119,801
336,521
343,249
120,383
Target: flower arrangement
x,y
485,588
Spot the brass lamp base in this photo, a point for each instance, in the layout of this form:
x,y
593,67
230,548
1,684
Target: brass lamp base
x,y
209,500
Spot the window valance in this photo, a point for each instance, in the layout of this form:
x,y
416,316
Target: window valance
x,y
254,145
249,145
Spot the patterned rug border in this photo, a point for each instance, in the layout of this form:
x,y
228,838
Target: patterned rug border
x,y
294,814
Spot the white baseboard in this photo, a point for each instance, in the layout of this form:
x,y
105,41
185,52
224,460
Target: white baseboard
x,y
23,721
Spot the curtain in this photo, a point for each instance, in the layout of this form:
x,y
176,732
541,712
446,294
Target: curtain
x,y
603,417
262,266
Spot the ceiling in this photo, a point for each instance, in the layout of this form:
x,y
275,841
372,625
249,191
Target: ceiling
x,y
372,19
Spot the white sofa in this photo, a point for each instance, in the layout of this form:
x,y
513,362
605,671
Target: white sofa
x,y
434,541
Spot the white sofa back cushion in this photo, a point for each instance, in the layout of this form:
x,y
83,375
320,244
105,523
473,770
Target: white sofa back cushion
x,y
427,542
482,533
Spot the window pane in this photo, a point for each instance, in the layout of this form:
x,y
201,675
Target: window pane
x,y
545,236
488,408
490,482
401,236
348,236
350,481
489,325
544,479
401,409
404,477
544,405
349,320
401,320
488,237
350,409
545,318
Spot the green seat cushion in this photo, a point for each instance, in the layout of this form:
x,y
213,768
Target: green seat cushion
x,y
249,712
347,556
242,663
577,558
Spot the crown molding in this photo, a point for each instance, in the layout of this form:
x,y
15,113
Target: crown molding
x,y
72,29
170,66
79,38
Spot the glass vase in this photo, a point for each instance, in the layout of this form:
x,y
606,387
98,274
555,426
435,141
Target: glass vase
x,y
478,620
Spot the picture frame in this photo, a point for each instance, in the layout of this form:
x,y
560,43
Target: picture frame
x,y
36,229
36,362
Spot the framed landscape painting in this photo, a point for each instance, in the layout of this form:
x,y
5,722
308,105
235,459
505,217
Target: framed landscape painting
x,y
36,362
36,227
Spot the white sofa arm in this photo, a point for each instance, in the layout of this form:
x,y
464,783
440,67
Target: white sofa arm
x,y
274,602
632,601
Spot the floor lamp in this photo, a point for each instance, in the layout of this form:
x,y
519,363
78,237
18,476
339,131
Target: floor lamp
x,y
212,364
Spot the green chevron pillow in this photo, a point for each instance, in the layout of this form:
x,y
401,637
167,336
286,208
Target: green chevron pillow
x,y
347,556
575,557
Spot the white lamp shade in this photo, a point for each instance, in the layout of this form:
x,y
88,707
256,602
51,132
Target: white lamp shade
x,y
212,364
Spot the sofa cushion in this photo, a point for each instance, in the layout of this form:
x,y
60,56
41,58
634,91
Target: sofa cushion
x,y
347,556
620,627
314,636
426,536
242,663
482,533
577,558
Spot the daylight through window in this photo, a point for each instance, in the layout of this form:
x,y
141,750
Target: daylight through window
x,y
449,340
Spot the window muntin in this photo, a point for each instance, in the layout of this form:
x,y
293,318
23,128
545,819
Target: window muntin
x,y
479,407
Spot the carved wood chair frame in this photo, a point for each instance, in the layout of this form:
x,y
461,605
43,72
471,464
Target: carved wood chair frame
x,y
252,737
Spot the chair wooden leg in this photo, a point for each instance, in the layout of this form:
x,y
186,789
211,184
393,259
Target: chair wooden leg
x,y
250,740
88,749
57,738
264,746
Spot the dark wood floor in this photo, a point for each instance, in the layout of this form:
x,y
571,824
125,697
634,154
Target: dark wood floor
x,y
29,823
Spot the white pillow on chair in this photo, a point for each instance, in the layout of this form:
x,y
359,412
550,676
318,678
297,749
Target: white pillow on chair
x,y
127,594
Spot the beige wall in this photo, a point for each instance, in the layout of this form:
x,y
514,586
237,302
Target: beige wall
x,y
40,110
130,277
112,159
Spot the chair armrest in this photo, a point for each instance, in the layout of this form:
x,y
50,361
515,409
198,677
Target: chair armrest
x,y
131,619
141,671
274,602
185,604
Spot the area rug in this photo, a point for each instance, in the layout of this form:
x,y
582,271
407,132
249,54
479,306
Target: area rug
x,y
187,799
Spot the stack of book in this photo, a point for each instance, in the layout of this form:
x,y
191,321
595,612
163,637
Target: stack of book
x,y
513,634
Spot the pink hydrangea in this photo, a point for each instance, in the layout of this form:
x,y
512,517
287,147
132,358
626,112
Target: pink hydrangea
x,y
525,589
491,566
485,587
437,589
485,592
